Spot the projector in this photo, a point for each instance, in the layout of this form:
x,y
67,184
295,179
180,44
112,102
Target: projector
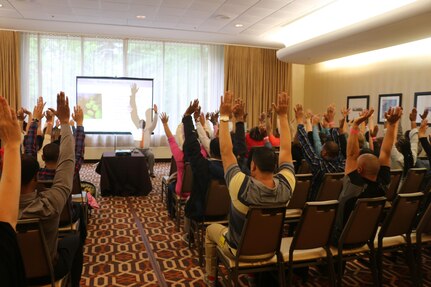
x,y
123,152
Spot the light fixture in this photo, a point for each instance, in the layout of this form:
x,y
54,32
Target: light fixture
x,y
239,25
141,17
1,5
222,17
335,16
418,49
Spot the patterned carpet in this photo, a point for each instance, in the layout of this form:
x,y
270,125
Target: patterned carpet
x,y
132,242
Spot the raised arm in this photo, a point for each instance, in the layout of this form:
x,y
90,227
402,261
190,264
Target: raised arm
x,y
226,148
78,117
30,142
307,148
285,155
353,143
10,135
392,116
240,147
203,137
134,109
153,120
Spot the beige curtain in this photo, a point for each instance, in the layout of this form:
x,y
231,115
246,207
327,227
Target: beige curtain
x,y
10,68
256,76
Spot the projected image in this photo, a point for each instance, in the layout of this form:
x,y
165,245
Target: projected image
x,y
91,105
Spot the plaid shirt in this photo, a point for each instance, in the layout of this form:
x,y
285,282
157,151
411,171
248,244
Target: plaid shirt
x,y
318,165
30,140
45,174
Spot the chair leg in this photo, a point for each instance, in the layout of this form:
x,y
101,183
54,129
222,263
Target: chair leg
x,y
411,264
380,267
332,277
201,243
178,215
339,271
419,264
281,275
290,275
374,269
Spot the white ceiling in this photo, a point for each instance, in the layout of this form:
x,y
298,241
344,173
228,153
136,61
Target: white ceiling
x,y
210,21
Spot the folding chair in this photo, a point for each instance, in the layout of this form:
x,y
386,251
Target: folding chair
x,y
217,208
259,245
67,225
331,187
310,242
35,254
299,197
165,178
391,192
80,196
186,189
396,229
413,180
304,168
359,232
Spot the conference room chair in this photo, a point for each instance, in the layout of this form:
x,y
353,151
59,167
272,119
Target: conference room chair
x,y
298,199
422,238
304,168
331,187
165,178
395,232
80,196
216,210
391,192
357,238
35,254
259,246
186,189
310,242
67,225
413,180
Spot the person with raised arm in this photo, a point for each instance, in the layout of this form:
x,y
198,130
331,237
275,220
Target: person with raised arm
x,y
66,253
262,188
366,176
11,265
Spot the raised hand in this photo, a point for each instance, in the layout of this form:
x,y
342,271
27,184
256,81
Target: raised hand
x,y
202,119
262,118
38,109
283,105
239,110
155,108
10,132
134,89
192,107
365,114
197,113
49,116
393,115
424,115
423,128
164,118
374,131
78,115
63,110
299,112
20,114
214,117
413,115
330,113
345,112
226,104
315,120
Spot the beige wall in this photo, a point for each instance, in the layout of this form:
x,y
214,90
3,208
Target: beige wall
x,y
298,77
325,86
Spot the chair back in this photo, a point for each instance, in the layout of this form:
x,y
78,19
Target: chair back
x,y
413,180
217,199
187,179
392,190
424,225
304,168
362,224
315,227
66,213
331,187
173,167
262,231
402,214
76,186
34,251
300,194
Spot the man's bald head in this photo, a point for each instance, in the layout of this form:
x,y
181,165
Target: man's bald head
x,y
368,166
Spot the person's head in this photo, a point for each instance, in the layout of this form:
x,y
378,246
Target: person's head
x,y
263,160
329,150
255,134
55,134
51,152
29,170
368,166
215,148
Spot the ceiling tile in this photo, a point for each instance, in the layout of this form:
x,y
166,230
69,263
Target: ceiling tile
x,y
114,6
176,3
88,4
171,11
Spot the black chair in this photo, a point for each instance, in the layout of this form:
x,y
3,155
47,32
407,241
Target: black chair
x,y
331,187
165,178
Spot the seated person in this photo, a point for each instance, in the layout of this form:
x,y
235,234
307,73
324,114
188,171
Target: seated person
x,y
262,188
66,254
366,175
12,271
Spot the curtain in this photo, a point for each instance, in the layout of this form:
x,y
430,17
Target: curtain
x,y
181,71
256,76
10,67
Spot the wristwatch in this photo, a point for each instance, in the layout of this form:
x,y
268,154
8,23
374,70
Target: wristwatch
x,y
224,118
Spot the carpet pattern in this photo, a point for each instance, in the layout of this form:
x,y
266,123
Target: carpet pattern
x,y
117,254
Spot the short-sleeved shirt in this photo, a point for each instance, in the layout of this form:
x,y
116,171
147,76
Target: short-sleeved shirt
x,y
354,187
11,266
245,191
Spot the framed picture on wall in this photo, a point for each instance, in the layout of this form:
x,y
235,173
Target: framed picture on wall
x,y
387,101
422,103
357,104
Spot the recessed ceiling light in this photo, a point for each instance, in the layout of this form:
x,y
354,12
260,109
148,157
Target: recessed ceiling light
x,y
222,17
239,25
1,5
141,17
